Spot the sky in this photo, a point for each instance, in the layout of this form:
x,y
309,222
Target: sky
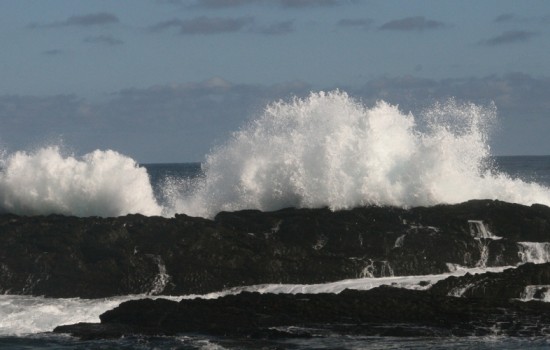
x,y
169,80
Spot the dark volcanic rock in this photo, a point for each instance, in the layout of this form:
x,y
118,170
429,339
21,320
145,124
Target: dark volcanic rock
x,y
381,311
96,257
511,283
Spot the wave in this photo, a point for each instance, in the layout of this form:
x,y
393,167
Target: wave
x,y
101,183
330,150
325,150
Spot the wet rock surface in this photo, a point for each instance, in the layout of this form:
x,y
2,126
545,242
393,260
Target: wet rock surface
x,y
383,311
510,283
94,257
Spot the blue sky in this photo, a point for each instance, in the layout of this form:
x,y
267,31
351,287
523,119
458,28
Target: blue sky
x,y
166,80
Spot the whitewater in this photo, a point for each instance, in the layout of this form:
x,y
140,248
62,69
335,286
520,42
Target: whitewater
x,y
325,150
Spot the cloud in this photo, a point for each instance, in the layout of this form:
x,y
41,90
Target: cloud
x,y
171,2
278,28
516,95
506,17
160,26
236,3
521,100
53,52
307,3
514,18
363,23
164,123
418,23
509,37
30,120
204,25
104,40
94,19
224,3
182,122
207,25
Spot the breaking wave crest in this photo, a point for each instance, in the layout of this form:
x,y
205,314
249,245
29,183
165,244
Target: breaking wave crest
x,y
324,150
101,183
330,150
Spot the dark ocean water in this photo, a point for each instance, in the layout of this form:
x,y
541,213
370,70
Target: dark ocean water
x,y
527,168
185,342
158,172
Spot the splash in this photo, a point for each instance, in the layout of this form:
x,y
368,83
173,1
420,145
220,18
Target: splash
x,y
330,150
24,314
534,252
326,150
101,183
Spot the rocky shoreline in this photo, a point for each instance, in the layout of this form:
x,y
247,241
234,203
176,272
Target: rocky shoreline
x,y
61,257
382,311
91,257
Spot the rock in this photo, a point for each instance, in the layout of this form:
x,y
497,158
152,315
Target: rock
x,y
92,257
511,283
383,311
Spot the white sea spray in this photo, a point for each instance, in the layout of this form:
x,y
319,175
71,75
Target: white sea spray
x,y
101,183
331,150
326,150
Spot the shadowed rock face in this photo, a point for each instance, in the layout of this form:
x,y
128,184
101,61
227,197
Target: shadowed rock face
x,y
97,257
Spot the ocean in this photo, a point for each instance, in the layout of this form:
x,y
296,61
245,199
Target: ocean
x,y
327,150
534,169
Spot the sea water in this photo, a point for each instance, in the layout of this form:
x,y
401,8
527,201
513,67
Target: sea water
x,y
324,150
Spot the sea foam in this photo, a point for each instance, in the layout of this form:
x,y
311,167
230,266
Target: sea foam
x,y
101,183
331,150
